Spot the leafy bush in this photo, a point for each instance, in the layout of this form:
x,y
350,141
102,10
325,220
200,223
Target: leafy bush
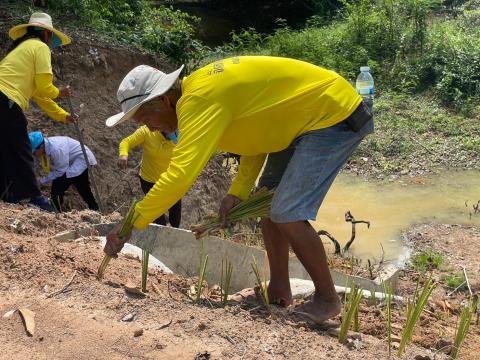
x,y
410,46
159,29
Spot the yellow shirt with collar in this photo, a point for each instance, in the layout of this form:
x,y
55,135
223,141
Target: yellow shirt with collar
x,y
25,73
251,106
157,152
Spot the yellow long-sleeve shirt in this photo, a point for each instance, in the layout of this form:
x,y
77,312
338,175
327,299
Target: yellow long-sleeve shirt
x,y
157,152
26,73
252,106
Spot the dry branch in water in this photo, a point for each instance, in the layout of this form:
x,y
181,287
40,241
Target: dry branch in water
x,y
348,218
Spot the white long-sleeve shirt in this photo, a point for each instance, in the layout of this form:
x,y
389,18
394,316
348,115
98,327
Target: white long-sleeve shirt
x,y
66,157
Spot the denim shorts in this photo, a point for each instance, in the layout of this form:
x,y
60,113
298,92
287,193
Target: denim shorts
x,y
303,172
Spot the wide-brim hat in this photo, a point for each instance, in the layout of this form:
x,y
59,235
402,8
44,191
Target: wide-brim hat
x,y
41,20
140,85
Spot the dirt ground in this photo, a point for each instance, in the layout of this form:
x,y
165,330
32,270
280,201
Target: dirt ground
x,y
85,321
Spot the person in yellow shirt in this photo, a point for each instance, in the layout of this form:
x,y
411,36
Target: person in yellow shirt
x,y
26,73
308,120
157,151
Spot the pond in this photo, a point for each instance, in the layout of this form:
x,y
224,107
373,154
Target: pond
x,y
394,206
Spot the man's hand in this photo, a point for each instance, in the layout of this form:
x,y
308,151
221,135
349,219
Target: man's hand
x,y
114,243
228,203
64,91
72,119
122,162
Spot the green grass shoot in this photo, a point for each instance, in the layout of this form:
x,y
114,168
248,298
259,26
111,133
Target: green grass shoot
x,y
262,284
145,258
352,300
225,279
462,330
388,304
414,309
201,275
373,298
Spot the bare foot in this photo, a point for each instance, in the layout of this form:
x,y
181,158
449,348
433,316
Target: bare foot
x,y
319,310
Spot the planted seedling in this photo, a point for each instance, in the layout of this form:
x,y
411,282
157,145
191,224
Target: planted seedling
x,y
225,279
145,258
463,326
388,304
352,300
262,285
414,310
201,275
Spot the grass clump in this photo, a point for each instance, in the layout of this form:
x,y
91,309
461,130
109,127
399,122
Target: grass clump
x,y
427,260
455,281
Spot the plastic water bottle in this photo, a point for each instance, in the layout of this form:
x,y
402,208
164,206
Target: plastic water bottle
x,y
365,85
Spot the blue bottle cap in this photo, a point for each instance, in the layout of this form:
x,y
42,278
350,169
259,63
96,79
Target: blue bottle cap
x,y
364,68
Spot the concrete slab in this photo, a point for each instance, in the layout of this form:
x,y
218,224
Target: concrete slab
x,y
180,251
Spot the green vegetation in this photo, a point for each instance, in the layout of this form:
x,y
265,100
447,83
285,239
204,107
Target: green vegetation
x,y
145,258
455,281
462,330
225,280
136,23
415,308
350,311
423,55
388,291
262,285
426,260
411,46
201,275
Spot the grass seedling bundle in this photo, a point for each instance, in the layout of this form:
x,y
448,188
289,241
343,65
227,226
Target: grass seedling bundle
x,y
124,231
414,310
257,205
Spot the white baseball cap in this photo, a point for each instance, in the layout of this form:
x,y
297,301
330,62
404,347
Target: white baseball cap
x,y
143,83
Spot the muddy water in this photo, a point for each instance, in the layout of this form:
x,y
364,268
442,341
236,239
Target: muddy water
x,y
394,206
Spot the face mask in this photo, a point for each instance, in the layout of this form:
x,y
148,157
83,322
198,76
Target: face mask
x,y
173,136
56,42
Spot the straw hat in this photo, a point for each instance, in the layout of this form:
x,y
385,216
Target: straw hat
x,y
143,83
44,21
